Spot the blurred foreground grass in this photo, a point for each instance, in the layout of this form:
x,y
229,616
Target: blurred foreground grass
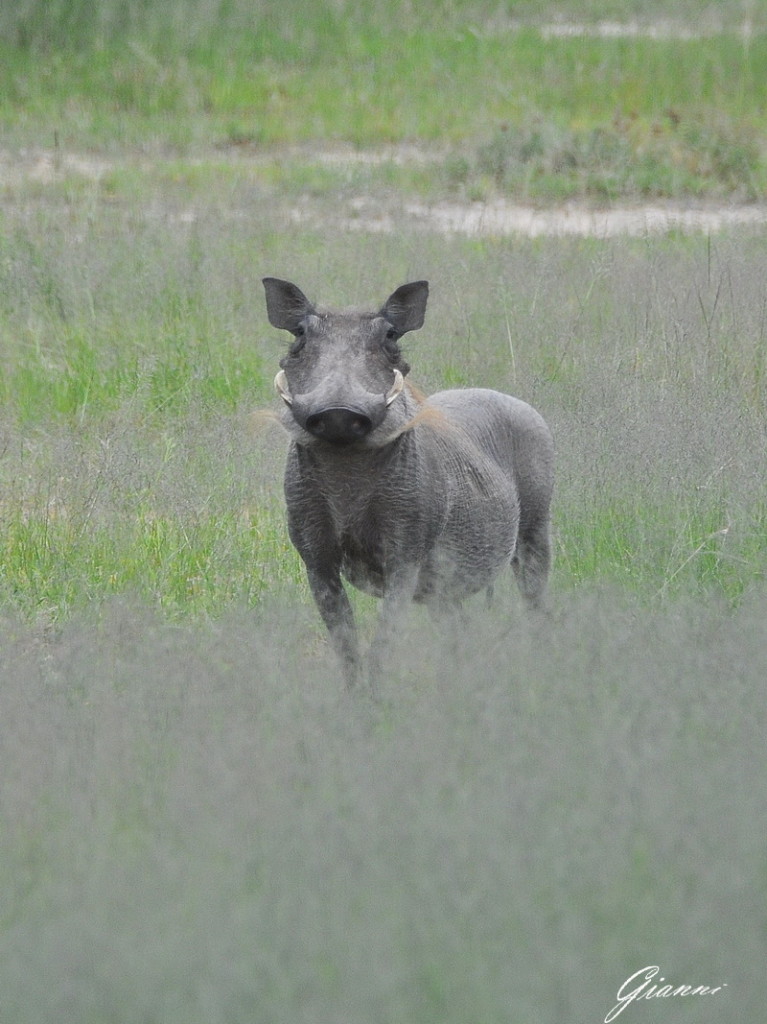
x,y
199,828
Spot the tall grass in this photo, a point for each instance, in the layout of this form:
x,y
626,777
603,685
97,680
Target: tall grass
x,y
136,351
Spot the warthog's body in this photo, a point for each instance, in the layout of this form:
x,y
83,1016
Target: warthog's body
x,y
408,498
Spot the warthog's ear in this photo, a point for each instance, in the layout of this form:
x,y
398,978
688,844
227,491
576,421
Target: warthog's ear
x,y
405,309
286,305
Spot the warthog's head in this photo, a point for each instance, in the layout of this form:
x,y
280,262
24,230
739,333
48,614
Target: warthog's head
x,y
344,371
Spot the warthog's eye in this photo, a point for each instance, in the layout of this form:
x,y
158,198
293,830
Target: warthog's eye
x,y
390,345
298,344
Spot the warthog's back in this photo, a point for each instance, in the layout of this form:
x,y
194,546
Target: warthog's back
x,y
513,434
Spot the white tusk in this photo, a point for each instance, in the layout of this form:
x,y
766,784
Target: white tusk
x,y
397,386
281,385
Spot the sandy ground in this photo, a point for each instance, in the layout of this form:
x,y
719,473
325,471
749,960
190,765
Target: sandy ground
x,y
501,217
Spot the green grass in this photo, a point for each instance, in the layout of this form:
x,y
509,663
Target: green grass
x,y
537,116
192,565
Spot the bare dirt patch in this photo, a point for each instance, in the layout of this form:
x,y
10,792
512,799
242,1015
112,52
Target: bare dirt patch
x,y
49,166
494,217
500,217
660,29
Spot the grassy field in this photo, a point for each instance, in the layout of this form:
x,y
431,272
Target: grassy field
x,y
136,352
196,825
508,107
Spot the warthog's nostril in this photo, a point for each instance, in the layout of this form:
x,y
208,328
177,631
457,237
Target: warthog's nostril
x,y
339,426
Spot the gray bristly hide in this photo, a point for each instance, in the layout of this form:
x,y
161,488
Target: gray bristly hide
x,y
408,498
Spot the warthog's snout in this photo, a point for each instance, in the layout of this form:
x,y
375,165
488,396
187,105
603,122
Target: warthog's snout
x,y
338,422
339,426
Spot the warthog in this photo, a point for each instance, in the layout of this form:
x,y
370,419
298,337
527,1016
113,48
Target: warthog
x,y
407,497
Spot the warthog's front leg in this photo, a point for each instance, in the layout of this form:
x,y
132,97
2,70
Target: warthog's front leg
x,y
399,593
337,614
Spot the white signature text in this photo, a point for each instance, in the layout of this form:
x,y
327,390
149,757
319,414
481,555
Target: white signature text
x,y
638,987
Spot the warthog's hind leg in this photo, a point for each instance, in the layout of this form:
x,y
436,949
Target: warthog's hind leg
x,y
532,562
